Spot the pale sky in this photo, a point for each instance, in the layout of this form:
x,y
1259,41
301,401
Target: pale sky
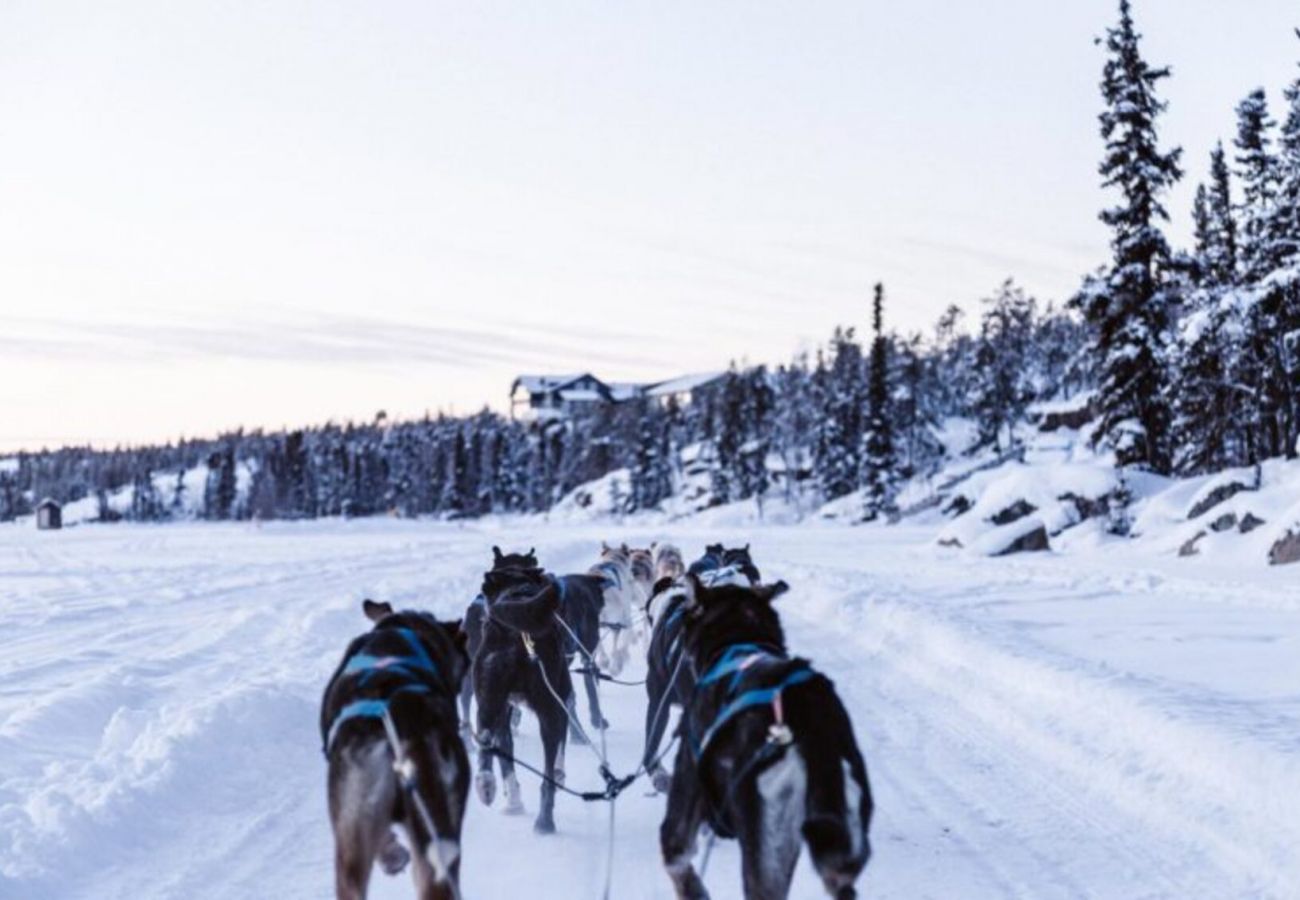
x,y
270,213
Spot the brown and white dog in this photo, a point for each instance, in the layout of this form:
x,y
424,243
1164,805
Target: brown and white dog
x,y
391,738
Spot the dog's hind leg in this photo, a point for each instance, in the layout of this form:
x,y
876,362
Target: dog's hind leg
x,y
681,826
593,700
552,725
835,826
493,715
656,720
362,794
510,782
767,813
442,784
572,706
466,695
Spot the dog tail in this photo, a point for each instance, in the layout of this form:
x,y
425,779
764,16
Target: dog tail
x,y
528,614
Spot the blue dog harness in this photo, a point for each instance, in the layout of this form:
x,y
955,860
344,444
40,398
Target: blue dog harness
x,y
414,664
735,663
612,573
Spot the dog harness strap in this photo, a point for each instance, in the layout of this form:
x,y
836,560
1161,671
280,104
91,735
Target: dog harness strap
x,y
374,708
612,573
415,663
751,698
733,661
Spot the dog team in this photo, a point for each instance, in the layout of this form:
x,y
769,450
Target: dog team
x,y
765,752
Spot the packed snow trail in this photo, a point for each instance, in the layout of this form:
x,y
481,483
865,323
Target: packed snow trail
x,y
1091,726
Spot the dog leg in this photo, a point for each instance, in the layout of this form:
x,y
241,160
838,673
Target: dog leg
x,y
485,782
681,826
767,813
393,857
658,709
553,727
510,783
362,791
593,701
574,734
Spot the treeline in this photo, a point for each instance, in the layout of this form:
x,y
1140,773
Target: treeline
x,y
1198,352
809,426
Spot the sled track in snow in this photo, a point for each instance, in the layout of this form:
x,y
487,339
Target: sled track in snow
x,y
159,691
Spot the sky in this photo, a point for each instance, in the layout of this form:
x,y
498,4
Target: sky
x,y
278,213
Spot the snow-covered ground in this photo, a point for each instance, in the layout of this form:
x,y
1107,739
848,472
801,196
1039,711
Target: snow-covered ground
x,y
1096,723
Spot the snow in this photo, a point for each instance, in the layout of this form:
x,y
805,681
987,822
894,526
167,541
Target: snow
x,y
1098,722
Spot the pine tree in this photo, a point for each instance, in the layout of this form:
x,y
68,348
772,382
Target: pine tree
x,y
1130,307
1004,385
878,439
756,415
844,396
1257,172
1207,398
1266,368
1219,250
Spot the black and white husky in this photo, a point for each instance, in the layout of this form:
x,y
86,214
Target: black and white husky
x,y
768,754
390,733
522,658
668,680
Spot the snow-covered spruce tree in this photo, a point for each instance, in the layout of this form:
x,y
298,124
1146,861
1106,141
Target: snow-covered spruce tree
x,y
878,475
1130,306
219,490
756,414
1257,172
1217,246
728,436
1004,373
1265,367
794,415
1206,394
839,442
1285,278
651,466
915,415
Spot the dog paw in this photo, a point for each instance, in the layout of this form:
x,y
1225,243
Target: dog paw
x,y
486,784
599,722
661,780
544,825
394,857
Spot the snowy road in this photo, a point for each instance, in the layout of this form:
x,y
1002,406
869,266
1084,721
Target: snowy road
x,y
1087,726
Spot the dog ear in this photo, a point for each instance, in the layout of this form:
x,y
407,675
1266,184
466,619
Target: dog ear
x,y
532,551
496,554
693,589
376,611
769,592
603,546
625,549
459,636
747,548
653,544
